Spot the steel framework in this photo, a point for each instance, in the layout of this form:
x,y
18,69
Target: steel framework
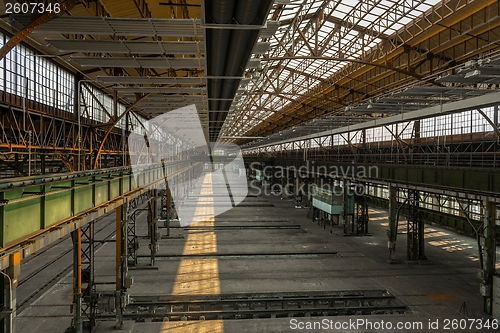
x,y
379,55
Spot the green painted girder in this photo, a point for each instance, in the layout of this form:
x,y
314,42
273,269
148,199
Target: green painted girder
x,y
457,223
480,180
460,181
31,205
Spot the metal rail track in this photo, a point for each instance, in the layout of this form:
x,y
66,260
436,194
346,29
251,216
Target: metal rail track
x,y
38,254
232,256
61,271
264,305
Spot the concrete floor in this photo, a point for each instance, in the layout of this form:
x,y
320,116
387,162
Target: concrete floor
x,y
259,260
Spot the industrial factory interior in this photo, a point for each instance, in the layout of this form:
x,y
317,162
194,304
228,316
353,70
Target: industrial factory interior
x,y
254,166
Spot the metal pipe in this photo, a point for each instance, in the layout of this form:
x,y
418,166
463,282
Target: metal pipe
x,y
29,153
25,95
79,125
79,261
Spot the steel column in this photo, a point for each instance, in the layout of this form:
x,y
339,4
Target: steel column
x,y
77,281
8,285
361,211
5,323
393,222
153,229
488,249
87,275
118,267
415,233
345,207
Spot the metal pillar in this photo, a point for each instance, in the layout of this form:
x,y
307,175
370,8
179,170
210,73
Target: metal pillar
x,y
6,316
306,198
297,188
412,223
132,240
88,274
284,181
166,207
415,234
8,282
153,228
273,178
77,281
393,222
288,186
84,294
488,254
118,270
121,261
169,208
4,303
347,218
361,215
421,236
131,219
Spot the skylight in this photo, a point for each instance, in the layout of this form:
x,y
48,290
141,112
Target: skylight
x,y
344,29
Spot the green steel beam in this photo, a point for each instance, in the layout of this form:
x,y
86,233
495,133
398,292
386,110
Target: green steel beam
x,y
458,223
467,183
481,181
35,211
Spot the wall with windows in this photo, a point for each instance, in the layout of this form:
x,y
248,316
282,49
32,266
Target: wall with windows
x,y
467,122
26,74
32,76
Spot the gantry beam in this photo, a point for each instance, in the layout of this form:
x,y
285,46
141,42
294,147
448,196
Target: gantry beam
x,y
60,203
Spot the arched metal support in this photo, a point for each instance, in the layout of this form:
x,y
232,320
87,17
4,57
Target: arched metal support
x,y
112,126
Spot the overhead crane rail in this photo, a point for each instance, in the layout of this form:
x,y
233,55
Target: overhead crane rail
x,y
36,211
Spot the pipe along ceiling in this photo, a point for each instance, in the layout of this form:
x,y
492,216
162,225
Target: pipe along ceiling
x,y
229,50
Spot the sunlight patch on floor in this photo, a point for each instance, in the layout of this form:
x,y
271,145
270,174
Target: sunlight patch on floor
x,y
201,326
436,234
451,244
199,276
